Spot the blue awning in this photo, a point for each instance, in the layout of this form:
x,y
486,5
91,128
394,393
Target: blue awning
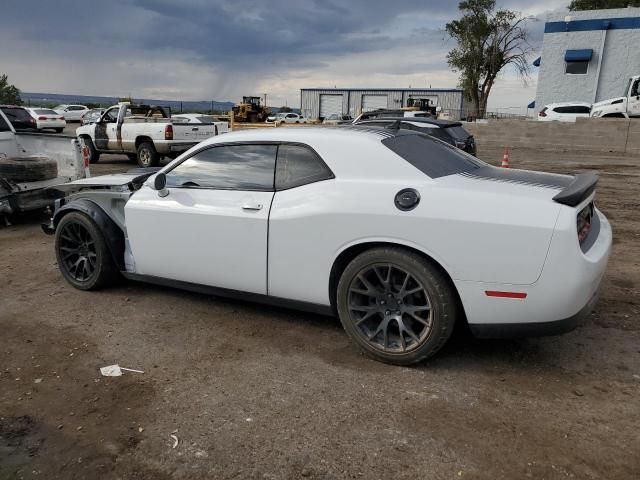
x,y
578,55
532,105
536,62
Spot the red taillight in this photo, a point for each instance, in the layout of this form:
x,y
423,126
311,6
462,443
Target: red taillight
x,y
61,118
168,132
42,118
584,222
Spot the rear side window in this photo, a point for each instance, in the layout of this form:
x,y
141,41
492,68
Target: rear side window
x,y
459,133
434,159
299,165
227,167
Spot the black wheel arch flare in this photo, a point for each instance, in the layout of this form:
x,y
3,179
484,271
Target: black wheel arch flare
x,y
113,235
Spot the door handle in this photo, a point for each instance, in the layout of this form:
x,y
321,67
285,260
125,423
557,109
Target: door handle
x,y
257,206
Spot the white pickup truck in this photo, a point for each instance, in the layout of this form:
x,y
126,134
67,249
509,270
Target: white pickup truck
x,y
32,162
143,132
621,107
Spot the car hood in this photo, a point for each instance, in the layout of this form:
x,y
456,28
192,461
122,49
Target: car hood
x,y
130,180
609,101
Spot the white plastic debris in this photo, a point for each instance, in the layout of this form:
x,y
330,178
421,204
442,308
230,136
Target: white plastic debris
x,y
116,370
175,441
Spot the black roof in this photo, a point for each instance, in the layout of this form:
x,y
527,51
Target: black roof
x,y
428,120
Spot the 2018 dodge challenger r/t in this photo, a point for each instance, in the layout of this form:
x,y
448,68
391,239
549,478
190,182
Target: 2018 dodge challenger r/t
x,y
397,233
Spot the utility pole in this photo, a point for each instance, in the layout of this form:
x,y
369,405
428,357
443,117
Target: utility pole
x,y
265,100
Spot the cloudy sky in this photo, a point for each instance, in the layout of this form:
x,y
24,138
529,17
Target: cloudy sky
x,y
223,49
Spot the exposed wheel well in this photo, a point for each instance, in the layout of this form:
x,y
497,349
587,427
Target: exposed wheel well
x,y
140,140
352,252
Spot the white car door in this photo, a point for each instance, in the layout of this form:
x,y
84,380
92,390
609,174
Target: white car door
x,y
633,104
211,228
8,145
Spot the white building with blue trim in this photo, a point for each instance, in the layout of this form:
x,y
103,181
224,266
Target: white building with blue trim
x,y
588,56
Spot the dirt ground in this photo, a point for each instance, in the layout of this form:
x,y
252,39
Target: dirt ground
x,y
255,392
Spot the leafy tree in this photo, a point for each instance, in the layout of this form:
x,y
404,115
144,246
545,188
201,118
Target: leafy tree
x,y
600,4
285,109
9,94
487,41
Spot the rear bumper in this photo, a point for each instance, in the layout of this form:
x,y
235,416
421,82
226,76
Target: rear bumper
x,y
535,329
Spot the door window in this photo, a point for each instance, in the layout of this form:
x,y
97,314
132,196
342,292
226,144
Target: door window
x,y
228,167
4,126
299,165
111,115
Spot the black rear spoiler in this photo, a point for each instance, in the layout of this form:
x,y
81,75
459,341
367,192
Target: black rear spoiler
x,y
581,187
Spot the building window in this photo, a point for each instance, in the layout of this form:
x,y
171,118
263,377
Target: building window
x,y
576,68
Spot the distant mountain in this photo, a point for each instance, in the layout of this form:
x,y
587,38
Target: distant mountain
x,y
52,99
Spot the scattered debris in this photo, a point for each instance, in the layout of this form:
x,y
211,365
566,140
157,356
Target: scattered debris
x,y
116,370
140,429
175,440
37,380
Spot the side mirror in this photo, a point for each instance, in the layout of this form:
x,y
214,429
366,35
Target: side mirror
x,y
160,184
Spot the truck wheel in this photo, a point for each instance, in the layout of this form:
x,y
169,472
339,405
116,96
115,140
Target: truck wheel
x,y
147,155
94,155
28,169
396,306
82,253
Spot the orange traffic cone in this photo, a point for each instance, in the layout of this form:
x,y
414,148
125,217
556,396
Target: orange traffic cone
x,y
505,158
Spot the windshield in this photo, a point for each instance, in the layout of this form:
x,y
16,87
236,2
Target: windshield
x,y
45,111
60,107
432,157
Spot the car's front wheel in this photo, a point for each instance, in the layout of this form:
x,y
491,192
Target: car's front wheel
x,y
82,253
395,305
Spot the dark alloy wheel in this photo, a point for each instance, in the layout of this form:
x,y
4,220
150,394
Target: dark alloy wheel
x,y
395,305
82,254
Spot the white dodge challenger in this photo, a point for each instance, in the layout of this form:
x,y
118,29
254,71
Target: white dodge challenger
x,y
397,233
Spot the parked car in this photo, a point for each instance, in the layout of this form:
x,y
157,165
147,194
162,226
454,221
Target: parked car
x,y
337,119
392,113
91,116
627,106
144,132
71,113
287,118
564,112
222,126
30,162
47,119
397,233
448,131
19,117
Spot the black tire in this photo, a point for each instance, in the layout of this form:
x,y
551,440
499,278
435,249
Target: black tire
x,y
77,231
400,348
59,130
94,155
28,169
147,155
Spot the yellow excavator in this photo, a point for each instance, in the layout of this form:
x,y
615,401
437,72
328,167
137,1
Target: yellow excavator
x,y
250,111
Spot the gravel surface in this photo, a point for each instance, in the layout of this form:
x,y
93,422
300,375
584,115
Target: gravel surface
x,y
255,392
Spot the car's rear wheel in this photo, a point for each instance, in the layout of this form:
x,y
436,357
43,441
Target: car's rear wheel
x,y
82,253
396,306
147,155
